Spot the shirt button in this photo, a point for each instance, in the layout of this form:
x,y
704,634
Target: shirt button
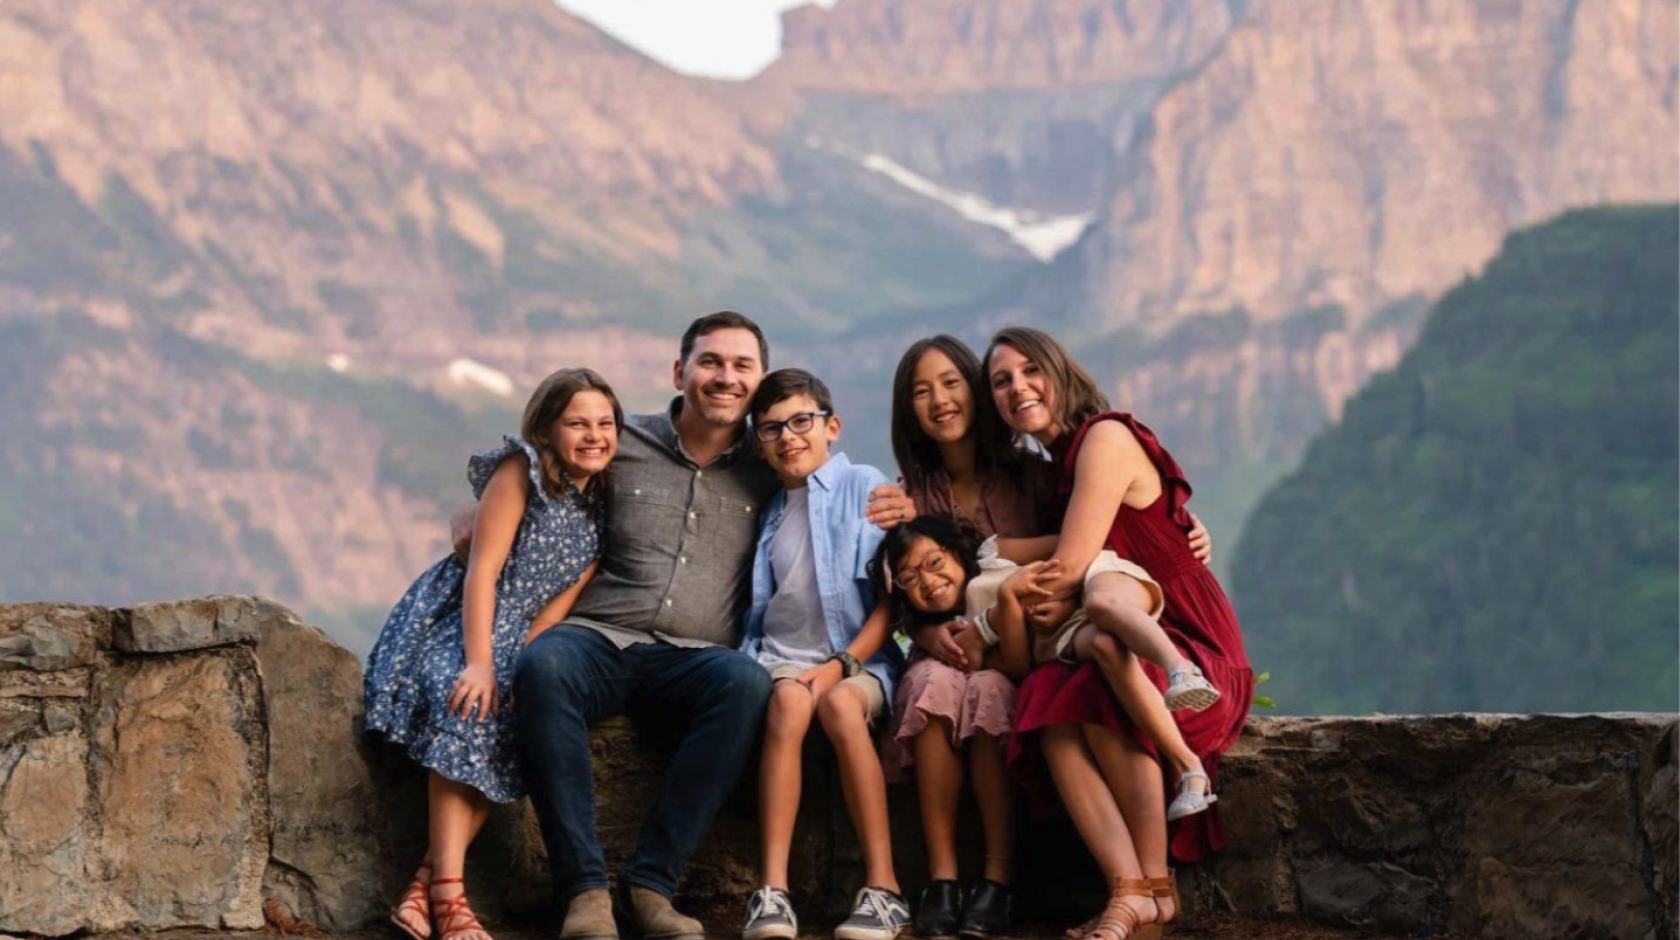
x,y
693,515
667,602
682,560
699,473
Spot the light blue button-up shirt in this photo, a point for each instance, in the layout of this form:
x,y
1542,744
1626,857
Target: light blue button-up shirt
x,y
842,544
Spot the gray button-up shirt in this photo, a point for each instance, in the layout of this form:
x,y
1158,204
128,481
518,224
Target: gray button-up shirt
x,y
677,553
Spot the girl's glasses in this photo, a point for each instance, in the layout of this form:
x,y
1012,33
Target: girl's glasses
x,y
771,431
912,576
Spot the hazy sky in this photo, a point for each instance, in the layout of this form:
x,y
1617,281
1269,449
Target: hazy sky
x,y
715,38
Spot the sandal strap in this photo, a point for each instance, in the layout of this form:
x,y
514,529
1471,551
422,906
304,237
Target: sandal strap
x,y
1190,775
449,881
1118,920
454,916
1132,888
1162,887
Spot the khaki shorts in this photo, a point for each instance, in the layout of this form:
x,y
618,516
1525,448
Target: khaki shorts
x,y
1059,645
865,681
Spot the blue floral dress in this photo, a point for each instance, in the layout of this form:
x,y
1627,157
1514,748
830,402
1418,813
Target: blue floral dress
x,y
419,653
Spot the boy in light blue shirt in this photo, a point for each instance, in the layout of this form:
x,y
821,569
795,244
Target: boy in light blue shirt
x,y
817,625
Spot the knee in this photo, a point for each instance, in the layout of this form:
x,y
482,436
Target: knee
x,y
790,703
838,709
746,686
548,665
1109,652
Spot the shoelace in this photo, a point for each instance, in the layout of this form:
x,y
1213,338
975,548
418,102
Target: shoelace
x,y
877,902
769,902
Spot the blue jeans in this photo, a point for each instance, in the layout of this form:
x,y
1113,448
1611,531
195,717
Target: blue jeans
x,y
571,677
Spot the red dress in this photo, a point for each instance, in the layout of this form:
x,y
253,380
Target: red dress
x,y
1198,619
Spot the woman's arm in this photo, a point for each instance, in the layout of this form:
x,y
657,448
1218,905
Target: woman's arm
x,y
1112,465
1026,551
500,510
559,605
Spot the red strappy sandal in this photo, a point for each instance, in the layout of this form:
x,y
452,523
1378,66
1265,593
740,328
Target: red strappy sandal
x,y
453,916
417,900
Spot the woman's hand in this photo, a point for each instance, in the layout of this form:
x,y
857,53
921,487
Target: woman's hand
x,y
936,640
973,646
1201,543
820,679
475,695
889,507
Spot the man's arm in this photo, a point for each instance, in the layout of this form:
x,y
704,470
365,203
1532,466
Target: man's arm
x,y
461,523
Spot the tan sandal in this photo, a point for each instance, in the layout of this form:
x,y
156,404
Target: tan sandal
x,y
454,918
416,900
1166,887
1118,921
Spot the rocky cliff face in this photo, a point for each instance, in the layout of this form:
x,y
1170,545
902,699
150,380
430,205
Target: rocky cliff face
x,y
400,215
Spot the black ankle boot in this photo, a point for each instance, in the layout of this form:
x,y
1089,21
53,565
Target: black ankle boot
x,y
941,908
990,911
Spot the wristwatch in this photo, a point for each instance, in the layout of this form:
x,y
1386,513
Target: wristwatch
x,y
848,663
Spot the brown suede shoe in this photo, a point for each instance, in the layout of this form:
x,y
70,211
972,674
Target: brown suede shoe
x,y
589,916
648,915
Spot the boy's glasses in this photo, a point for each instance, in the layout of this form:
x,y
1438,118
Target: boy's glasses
x,y
912,576
771,431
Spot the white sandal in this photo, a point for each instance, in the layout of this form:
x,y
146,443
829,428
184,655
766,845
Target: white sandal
x,y
1189,689
1189,802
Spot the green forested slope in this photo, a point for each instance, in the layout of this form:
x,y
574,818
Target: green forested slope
x,y
1493,526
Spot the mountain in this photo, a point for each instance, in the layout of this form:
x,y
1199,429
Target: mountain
x,y
270,273
1491,526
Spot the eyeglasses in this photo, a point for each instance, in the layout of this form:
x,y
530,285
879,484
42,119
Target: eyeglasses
x,y
771,431
908,579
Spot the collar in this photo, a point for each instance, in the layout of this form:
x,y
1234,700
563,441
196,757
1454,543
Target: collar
x,y
829,472
663,427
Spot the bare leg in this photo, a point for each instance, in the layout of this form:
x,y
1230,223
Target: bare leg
x,y
939,777
779,779
1138,697
996,796
844,710
455,813
1119,605
1135,779
1094,810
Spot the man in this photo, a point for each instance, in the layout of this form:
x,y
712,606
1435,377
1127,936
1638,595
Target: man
x,y
657,629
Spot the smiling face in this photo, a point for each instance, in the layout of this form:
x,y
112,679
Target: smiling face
x,y
941,398
720,375
939,578
1023,392
585,436
795,457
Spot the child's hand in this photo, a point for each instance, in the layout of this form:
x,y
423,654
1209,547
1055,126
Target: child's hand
x,y
820,679
937,640
1047,616
1034,580
973,646
475,695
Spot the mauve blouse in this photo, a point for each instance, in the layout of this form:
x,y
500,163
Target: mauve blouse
x,y
1014,504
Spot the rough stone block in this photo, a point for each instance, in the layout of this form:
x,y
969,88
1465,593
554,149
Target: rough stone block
x,y
324,862
180,760
1372,896
51,637
43,835
176,626
1662,831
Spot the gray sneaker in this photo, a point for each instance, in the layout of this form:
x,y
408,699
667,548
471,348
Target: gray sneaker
x,y
770,914
877,914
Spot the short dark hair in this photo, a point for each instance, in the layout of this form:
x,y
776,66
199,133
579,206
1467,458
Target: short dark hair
x,y
783,384
724,320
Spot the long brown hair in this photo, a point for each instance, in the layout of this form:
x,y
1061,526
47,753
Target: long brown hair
x,y
546,406
1077,394
915,452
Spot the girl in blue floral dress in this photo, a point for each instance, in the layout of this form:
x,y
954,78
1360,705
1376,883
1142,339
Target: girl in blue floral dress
x,y
439,675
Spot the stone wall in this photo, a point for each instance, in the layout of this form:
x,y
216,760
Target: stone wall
x,y
196,763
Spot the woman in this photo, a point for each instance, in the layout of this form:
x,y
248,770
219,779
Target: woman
x,y
1123,492
959,459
